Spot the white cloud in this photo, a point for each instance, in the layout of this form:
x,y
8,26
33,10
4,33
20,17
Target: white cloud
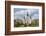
x,y
23,12
36,16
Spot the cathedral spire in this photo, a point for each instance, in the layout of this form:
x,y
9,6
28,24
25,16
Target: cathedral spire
x,y
27,14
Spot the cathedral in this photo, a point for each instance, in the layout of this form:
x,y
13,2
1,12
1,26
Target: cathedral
x,y
27,19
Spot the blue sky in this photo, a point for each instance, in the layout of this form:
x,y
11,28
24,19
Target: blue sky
x,y
19,13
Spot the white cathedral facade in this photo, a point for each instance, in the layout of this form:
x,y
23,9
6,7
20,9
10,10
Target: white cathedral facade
x,y
27,20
